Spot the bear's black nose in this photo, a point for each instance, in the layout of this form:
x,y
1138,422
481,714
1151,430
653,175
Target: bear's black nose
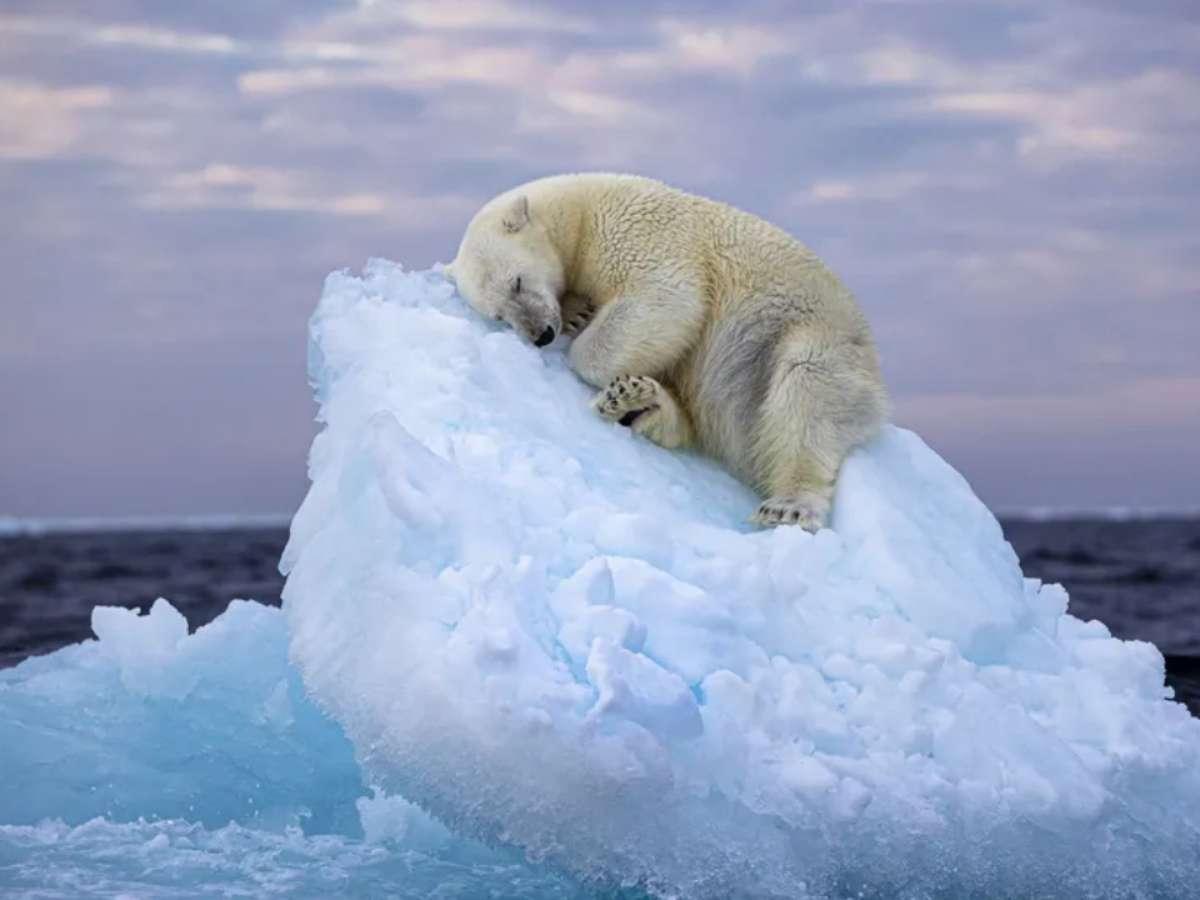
x,y
546,338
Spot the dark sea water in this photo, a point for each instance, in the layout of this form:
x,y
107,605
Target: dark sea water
x,y
1140,577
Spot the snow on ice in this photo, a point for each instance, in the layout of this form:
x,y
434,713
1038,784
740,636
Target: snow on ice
x,y
555,635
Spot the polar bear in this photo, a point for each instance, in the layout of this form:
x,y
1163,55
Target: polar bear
x,y
703,326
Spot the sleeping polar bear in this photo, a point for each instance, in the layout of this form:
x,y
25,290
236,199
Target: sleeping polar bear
x,y
704,326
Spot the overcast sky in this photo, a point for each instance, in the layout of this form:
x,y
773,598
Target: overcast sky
x,y
1011,189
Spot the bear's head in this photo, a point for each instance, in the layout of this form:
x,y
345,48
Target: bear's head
x,y
508,269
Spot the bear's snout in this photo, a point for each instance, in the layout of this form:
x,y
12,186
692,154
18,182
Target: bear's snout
x,y
535,318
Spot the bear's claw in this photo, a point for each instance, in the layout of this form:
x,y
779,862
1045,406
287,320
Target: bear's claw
x,y
807,511
577,312
626,398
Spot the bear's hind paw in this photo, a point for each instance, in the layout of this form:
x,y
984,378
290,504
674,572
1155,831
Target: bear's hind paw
x,y
806,510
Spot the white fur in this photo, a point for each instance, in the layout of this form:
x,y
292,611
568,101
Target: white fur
x,y
705,326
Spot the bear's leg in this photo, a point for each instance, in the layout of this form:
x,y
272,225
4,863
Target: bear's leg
x,y
636,334
799,491
651,410
821,403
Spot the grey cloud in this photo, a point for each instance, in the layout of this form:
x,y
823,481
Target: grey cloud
x,y
261,18
965,31
44,59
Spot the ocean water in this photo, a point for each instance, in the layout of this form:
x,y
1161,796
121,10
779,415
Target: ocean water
x,y
1140,577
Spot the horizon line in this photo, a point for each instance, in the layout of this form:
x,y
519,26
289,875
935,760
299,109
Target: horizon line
x,y
33,526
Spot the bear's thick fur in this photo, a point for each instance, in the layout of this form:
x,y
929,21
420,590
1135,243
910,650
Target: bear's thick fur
x,y
703,326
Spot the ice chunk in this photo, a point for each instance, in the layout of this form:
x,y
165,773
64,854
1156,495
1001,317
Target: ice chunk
x,y
559,637
150,722
631,686
155,763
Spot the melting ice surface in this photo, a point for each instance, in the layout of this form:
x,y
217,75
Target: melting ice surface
x,y
565,645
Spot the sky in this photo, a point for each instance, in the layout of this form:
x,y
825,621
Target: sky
x,y
1012,191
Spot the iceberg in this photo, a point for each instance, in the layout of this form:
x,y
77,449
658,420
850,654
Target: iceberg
x,y
556,636
151,722
525,653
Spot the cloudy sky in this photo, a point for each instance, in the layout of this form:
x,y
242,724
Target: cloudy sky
x,y
1011,189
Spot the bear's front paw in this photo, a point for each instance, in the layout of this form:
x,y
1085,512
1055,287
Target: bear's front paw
x,y
626,398
577,312
806,510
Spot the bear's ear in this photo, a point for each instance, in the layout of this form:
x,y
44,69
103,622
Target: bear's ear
x,y
516,216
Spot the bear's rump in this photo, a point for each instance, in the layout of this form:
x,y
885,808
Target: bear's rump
x,y
727,382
